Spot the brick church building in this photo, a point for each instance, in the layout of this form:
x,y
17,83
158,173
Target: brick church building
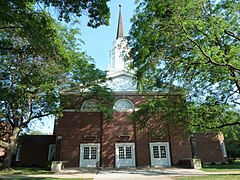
x,y
84,138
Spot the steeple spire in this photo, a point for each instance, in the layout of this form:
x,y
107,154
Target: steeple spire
x,y
120,24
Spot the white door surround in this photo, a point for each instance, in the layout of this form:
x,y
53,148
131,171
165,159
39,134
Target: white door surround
x,y
125,155
89,154
159,153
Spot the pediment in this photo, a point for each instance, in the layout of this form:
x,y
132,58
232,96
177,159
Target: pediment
x,y
121,81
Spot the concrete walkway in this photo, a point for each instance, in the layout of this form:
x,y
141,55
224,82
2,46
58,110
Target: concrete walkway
x,y
123,174
146,173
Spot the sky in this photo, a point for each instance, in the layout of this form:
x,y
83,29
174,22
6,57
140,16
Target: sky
x,y
97,44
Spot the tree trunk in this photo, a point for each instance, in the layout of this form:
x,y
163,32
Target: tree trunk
x,y
7,163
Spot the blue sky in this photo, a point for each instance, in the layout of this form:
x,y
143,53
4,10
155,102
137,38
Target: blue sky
x,y
98,43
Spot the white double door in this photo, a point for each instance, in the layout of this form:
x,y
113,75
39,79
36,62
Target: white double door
x,y
89,155
159,152
125,155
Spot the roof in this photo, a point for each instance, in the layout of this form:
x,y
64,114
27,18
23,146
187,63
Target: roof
x,y
120,32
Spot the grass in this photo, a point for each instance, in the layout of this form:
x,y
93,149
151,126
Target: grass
x,y
20,173
228,168
26,171
235,166
46,178
211,177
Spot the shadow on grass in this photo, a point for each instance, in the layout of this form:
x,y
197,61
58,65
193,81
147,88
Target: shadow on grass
x,y
211,177
222,167
23,177
25,171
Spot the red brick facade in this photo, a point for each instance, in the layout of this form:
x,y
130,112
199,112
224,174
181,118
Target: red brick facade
x,y
208,147
75,128
34,150
82,128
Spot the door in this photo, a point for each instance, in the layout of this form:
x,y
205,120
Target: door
x,y
125,154
89,155
159,153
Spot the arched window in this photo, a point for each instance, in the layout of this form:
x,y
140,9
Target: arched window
x,y
123,105
89,106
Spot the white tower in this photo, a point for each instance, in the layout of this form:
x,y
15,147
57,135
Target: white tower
x,y
118,53
120,77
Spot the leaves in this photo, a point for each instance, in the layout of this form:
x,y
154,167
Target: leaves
x,y
187,44
97,10
158,113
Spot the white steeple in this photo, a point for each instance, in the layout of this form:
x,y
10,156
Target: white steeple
x,y
120,77
120,49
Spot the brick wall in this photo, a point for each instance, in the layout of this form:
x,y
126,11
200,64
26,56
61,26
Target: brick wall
x,y
208,147
73,126
35,149
76,128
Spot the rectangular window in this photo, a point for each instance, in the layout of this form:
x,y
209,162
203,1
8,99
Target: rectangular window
x,y
93,152
155,152
223,149
128,152
86,152
51,152
163,151
121,152
18,154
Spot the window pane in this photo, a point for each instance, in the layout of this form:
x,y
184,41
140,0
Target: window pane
x,y
155,152
86,153
121,152
93,152
123,105
19,151
128,153
163,151
51,152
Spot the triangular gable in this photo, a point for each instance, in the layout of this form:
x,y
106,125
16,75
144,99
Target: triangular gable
x,y
121,81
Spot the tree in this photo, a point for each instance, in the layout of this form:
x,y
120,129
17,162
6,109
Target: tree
x,y
192,45
37,56
232,142
97,10
30,85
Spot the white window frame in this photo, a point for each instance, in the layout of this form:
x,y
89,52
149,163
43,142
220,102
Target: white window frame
x,y
90,105
167,151
18,153
50,155
123,105
223,149
117,145
81,163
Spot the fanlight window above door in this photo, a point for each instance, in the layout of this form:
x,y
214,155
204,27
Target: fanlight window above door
x,y
122,105
89,106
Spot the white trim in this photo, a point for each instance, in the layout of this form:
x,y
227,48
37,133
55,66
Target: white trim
x,y
18,153
117,160
119,105
167,153
90,105
89,163
70,110
223,149
52,147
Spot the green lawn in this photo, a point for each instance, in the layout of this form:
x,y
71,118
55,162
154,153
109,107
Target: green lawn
x,y
47,178
211,177
22,171
222,168
228,168
26,171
